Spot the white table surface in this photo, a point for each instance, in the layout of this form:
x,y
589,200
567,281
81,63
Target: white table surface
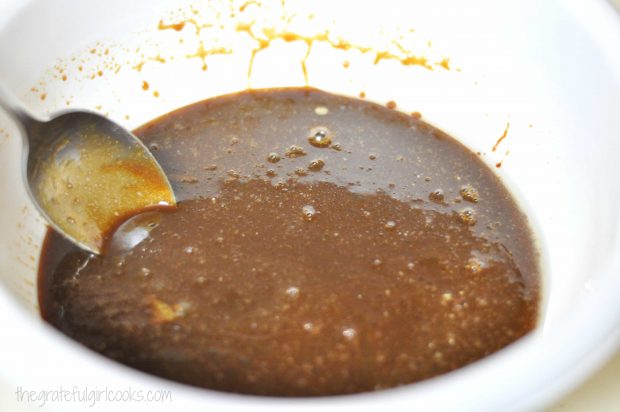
x,y
601,393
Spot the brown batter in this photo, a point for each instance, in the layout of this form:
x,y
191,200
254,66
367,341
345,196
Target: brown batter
x,y
322,245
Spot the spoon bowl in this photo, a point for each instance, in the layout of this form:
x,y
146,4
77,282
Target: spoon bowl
x,y
87,174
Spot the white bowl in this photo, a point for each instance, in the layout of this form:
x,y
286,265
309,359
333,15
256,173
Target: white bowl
x,y
551,69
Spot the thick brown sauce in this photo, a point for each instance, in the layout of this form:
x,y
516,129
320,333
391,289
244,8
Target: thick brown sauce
x,y
323,245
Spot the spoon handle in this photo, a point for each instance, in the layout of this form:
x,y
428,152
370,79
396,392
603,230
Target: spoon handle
x,y
14,108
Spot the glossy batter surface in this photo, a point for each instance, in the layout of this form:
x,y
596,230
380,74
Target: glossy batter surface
x,y
322,245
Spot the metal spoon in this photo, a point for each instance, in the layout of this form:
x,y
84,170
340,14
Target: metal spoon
x,y
85,173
